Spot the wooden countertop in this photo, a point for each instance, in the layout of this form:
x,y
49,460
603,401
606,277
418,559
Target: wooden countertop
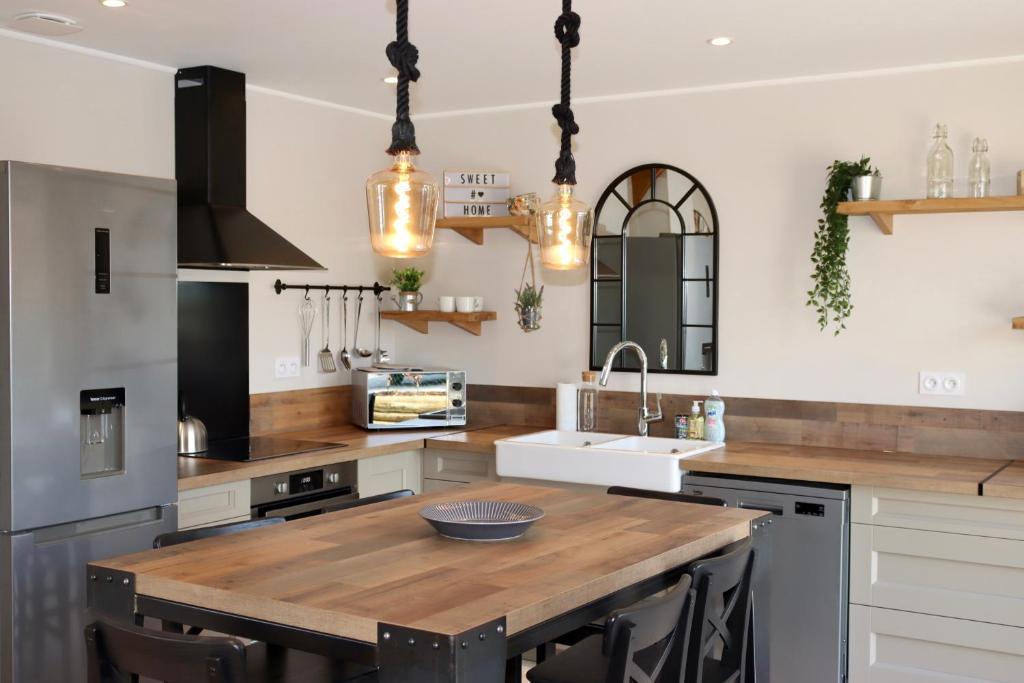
x,y
344,572
1007,483
198,472
479,440
946,474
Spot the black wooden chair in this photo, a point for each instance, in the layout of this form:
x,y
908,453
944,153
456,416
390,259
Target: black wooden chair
x,y
117,653
661,495
186,535
369,500
719,638
638,644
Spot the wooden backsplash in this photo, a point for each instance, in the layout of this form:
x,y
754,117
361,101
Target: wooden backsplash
x,y
937,431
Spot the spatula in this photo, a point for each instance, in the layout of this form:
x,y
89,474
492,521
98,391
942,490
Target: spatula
x,y
325,356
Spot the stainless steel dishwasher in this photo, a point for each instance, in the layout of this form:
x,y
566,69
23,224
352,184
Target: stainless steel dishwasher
x,y
809,582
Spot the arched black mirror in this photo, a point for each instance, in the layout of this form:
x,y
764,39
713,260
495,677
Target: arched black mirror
x,y
654,272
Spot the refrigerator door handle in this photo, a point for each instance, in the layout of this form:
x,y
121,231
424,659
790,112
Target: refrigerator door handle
x,y
98,525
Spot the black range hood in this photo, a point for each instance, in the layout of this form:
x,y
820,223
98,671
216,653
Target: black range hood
x,y
214,228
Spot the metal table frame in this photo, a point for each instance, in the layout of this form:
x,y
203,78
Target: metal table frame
x,y
405,655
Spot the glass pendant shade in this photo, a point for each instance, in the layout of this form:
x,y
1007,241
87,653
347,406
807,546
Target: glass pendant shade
x,y
565,225
402,207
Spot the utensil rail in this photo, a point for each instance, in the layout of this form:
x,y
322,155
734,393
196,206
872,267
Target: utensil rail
x,y
377,288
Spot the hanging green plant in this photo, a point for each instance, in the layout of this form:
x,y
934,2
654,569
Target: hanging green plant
x,y
830,296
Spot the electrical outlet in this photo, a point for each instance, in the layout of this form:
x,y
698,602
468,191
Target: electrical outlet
x,y
286,366
942,383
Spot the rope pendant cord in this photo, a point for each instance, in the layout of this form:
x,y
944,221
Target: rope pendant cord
x,y
567,28
403,55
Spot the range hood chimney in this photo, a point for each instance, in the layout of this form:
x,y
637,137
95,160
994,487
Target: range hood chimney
x,y
214,228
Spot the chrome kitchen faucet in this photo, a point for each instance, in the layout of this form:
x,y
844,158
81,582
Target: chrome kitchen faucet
x,y
646,415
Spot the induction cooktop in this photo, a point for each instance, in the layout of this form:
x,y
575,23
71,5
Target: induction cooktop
x,y
248,448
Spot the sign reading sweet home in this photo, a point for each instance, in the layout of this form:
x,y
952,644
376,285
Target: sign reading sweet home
x,y
476,193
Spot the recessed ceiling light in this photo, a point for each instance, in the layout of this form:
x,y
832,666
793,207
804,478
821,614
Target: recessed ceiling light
x,y
113,3
720,41
390,80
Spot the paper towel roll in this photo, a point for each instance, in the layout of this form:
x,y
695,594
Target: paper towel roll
x,y
565,407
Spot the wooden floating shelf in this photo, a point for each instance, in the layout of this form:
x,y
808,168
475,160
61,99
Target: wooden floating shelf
x,y
1018,323
420,320
882,211
472,228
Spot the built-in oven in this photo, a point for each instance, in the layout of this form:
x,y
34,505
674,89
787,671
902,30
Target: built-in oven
x,y
303,493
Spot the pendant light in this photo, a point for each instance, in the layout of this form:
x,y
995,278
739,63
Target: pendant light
x,y
564,222
402,201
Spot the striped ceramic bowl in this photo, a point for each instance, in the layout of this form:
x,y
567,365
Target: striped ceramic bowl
x,y
481,520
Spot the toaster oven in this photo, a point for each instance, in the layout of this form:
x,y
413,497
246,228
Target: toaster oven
x,y
403,397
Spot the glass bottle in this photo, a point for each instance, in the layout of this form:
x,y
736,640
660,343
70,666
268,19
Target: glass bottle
x,y
979,174
940,166
586,416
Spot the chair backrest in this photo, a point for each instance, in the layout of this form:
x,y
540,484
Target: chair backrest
x,y
719,630
369,500
116,652
640,639
660,495
176,537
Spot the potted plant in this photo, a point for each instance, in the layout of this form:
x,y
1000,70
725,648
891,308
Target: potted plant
x,y
830,296
528,305
408,281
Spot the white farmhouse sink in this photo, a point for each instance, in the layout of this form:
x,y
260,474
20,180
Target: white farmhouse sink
x,y
598,459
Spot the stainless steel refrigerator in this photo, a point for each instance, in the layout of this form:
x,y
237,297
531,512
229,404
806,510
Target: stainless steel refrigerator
x,y
88,342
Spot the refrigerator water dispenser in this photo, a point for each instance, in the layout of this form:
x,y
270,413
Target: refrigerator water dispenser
x,y
102,431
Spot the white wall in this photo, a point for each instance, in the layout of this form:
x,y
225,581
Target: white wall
x,y
938,295
306,167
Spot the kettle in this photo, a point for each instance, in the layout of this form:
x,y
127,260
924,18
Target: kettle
x,y
191,431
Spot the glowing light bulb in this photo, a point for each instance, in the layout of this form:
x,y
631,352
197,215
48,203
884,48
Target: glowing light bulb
x,y
565,225
402,206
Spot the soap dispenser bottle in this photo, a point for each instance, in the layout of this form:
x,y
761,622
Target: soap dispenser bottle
x,y
695,425
714,420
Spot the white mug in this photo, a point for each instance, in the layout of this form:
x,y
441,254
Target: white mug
x,y
446,304
464,304
478,303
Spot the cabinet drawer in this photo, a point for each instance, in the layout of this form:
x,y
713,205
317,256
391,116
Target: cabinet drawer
x,y
457,466
953,575
887,646
213,504
974,515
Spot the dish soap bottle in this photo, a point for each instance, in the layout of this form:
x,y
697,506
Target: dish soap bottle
x,y
714,421
695,425
940,166
587,403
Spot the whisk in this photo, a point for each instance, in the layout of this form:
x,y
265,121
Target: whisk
x,y
307,314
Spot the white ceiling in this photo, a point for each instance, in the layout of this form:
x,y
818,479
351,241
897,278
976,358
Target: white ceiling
x,y
487,53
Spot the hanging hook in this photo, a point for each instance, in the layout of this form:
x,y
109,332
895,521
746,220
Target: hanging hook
x,y
307,293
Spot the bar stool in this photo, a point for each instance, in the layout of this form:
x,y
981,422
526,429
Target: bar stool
x,y
120,652
638,643
719,638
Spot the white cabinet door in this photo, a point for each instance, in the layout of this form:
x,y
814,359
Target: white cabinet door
x,y
889,646
210,505
928,511
393,472
954,575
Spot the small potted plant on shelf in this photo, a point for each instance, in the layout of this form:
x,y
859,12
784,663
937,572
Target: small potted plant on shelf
x,y
528,305
408,281
830,296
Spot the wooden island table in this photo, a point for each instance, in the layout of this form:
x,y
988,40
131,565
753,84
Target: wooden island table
x,y
378,585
